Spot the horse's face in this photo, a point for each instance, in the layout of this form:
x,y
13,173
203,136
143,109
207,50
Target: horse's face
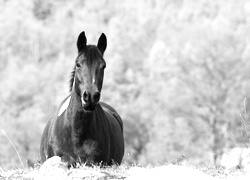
x,y
89,71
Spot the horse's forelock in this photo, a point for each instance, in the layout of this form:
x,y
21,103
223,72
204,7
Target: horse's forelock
x,y
91,54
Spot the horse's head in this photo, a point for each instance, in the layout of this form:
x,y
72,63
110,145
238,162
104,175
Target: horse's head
x,y
89,71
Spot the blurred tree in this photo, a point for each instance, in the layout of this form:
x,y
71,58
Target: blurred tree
x,y
216,74
42,9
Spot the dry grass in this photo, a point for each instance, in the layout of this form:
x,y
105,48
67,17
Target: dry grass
x,y
55,169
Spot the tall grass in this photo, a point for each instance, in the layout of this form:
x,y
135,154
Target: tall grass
x,y
13,147
245,117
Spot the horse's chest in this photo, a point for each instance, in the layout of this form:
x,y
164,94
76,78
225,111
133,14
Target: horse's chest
x,y
89,151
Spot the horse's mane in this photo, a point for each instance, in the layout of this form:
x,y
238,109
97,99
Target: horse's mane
x,y
71,81
91,52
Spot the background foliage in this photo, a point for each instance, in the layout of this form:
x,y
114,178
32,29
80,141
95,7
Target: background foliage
x,y
177,72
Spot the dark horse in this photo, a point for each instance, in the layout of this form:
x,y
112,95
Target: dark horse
x,y
85,130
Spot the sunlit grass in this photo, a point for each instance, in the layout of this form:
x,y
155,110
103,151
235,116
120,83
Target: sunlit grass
x,y
82,172
60,171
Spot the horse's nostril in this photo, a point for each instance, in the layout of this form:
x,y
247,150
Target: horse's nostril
x,y
91,99
96,96
86,96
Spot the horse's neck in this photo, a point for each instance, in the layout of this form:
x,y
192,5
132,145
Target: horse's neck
x,y
74,106
77,117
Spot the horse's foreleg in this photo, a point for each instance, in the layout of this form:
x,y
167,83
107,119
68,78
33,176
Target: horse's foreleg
x,y
69,160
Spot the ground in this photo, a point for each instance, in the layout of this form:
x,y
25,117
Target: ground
x,y
55,169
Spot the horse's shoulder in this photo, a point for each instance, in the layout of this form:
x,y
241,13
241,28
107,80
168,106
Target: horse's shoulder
x,y
113,112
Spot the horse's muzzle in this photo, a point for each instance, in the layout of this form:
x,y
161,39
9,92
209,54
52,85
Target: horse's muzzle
x,y
89,100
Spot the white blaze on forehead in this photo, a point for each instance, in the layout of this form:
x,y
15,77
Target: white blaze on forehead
x,y
64,106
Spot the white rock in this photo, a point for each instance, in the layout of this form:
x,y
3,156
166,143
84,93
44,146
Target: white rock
x,y
53,168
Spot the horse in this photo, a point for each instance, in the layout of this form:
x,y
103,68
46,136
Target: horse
x,y
83,129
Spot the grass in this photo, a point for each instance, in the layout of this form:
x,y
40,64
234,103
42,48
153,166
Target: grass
x,y
55,169
13,147
55,172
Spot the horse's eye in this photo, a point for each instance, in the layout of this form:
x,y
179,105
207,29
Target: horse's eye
x,y
78,65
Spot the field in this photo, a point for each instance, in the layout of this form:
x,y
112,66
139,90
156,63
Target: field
x,y
54,169
178,73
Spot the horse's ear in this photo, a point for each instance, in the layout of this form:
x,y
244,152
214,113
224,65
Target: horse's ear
x,y
81,41
102,43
